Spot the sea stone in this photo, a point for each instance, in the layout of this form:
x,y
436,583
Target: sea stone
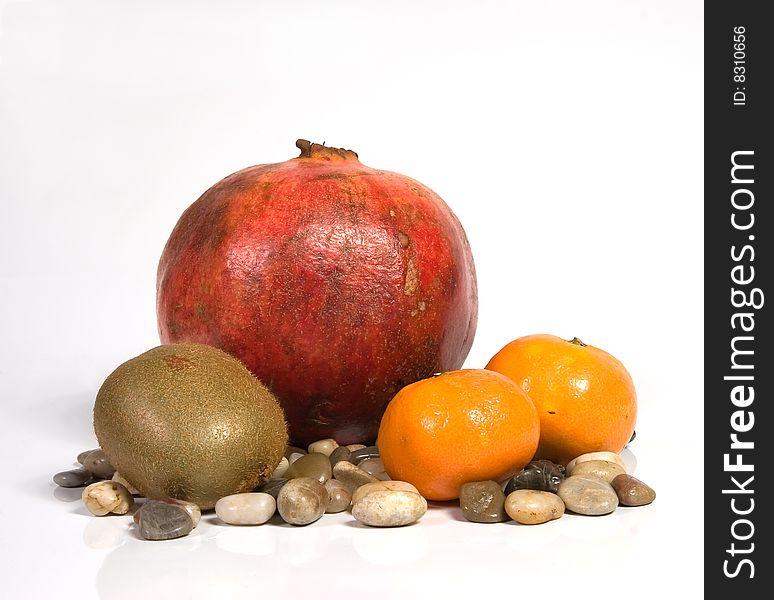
x,y
72,478
164,521
96,462
483,502
600,455
374,466
394,485
631,491
588,495
313,464
351,475
325,446
537,475
194,511
339,454
104,497
82,456
531,507
339,496
389,508
302,501
191,507
604,469
363,453
253,508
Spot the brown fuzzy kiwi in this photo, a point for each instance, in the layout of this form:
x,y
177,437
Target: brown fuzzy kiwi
x,y
189,421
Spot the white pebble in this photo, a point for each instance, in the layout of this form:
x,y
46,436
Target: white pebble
x,y
104,497
389,508
605,469
601,455
531,507
280,469
395,486
252,508
325,446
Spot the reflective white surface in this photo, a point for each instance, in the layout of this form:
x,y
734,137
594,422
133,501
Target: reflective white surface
x,y
566,136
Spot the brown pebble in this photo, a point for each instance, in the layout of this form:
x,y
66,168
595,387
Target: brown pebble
x,y
96,462
302,500
339,454
483,502
314,464
631,491
339,496
352,476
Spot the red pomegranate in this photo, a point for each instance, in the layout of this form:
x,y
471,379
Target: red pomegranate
x,y
335,283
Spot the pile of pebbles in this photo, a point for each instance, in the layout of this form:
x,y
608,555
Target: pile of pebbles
x,y
306,484
591,484
327,478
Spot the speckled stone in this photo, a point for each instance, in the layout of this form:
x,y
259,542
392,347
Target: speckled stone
x,y
601,455
164,521
588,495
313,464
193,509
73,478
537,475
364,453
272,487
631,491
351,475
302,501
325,446
339,496
532,507
483,502
339,454
389,508
604,469
253,508
97,463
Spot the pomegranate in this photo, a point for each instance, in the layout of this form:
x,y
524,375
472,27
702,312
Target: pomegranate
x,y
336,284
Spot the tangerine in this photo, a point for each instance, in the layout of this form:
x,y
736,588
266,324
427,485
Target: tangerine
x,y
456,427
585,397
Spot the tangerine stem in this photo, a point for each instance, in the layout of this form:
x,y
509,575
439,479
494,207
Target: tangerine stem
x,y
577,342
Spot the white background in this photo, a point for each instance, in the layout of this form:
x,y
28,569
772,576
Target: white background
x,y
568,138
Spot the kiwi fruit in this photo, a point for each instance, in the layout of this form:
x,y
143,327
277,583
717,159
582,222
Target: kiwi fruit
x,y
189,421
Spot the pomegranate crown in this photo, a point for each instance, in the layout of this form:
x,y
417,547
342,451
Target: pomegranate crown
x,y
323,152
